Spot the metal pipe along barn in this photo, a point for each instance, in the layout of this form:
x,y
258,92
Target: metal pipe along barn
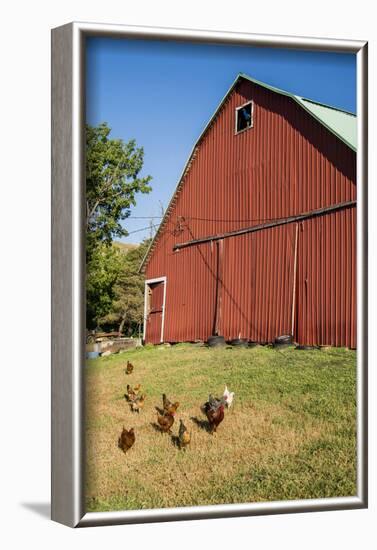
x,y
259,238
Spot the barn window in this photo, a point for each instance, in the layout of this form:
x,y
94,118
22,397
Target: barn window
x,y
244,117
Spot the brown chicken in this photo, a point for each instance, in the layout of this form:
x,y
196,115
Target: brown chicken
x,y
129,368
184,436
169,407
165,422
126,440
130,395
138,403
214,411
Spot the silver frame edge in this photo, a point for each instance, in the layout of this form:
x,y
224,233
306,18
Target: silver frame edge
x,y
68,275
63,493
92,519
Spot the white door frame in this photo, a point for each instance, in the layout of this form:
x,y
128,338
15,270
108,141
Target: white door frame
x,y
147,283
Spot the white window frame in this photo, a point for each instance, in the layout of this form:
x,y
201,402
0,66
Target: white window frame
x,y
250,102
146,285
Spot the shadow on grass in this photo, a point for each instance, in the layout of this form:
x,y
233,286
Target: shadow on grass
x,y
177,444
158,428
160,410
175,441
202,424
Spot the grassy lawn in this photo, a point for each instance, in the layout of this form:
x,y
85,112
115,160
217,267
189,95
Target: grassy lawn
x,y
290,435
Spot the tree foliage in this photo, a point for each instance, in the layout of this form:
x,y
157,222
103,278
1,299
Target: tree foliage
x,y
112,182
103,270
127,309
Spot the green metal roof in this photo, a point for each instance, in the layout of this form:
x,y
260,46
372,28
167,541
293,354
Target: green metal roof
x,y
341,123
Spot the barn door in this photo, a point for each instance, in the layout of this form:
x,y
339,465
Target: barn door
x,y
155,308
258,284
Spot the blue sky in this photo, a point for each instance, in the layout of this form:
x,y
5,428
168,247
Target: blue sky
x,y
163,94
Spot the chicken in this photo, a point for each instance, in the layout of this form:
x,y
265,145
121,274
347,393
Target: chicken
x,y
184,436
165,422
228,396
126,440
129,368
130,395
138,403
213,401
214,412
173,408
165,401
169,407
137,389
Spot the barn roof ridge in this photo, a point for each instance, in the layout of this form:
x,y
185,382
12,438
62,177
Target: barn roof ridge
x,y
338,121
291,94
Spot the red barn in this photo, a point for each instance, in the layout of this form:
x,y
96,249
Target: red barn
x,y
259,238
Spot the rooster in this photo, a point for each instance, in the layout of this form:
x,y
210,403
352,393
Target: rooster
x,y
126,440
214,411
228,396
214,401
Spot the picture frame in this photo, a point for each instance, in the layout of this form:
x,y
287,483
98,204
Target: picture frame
x,y
68,274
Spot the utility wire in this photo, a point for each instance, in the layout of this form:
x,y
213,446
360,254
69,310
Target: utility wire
x,y
237,220
193,218
138,230
155,227
219,220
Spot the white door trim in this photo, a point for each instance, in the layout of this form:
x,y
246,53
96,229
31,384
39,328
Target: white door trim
x,y
147,283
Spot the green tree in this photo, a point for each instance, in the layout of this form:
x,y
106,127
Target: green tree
x,y
127,310
112,182
103,270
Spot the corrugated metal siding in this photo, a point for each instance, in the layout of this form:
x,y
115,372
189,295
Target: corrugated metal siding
x,y
190,294
288,163
257,299
326,280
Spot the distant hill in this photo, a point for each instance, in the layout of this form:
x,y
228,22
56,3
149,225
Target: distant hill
x,y
125,247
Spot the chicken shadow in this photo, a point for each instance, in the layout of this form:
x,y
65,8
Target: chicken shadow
x,y
202,424
160,410
175,441
156,427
